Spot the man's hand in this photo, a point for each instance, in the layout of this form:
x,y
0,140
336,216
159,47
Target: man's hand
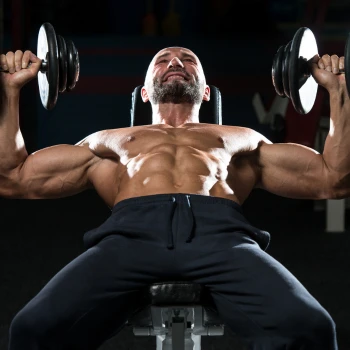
x,y
22,68
326,71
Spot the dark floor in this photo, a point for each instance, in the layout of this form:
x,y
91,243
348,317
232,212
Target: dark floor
x,y
38,238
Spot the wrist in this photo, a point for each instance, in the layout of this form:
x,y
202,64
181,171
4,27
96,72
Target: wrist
x,y
10,93
9,97
339,97
9,104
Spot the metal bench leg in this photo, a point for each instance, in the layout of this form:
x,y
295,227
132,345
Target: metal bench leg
x,y
191,342
196,342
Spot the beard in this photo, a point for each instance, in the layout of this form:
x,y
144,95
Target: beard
x,y
176,92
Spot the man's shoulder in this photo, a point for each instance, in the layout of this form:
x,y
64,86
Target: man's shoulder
x,y
253,139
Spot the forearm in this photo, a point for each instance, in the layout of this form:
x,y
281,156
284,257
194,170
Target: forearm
x,y
336,152
12,147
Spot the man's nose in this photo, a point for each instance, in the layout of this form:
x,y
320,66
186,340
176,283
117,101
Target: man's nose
x,y
175,62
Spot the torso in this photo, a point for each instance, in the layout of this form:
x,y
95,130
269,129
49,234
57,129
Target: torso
x,y
212,160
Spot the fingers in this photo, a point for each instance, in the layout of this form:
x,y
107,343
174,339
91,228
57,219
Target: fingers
x,y
11,61
315,59
18,60
15,61
27,58
3,62
334,63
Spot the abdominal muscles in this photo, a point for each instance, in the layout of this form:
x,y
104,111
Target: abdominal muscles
x,y
175,169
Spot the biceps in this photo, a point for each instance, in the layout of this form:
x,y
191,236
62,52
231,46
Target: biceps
x,y
294,171
55,172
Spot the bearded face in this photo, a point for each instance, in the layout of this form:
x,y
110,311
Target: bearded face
x,y
177,90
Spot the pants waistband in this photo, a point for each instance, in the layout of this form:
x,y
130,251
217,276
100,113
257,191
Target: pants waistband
x,y
177,214
179,198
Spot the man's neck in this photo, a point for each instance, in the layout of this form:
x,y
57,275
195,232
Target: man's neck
x,y
175,115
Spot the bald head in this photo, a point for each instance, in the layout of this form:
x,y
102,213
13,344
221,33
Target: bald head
x,y
175,75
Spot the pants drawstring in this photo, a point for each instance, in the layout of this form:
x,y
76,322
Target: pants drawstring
x,y
186,218
191,235
170,232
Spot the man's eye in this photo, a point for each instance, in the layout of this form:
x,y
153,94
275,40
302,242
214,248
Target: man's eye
x,y
188,60
162,61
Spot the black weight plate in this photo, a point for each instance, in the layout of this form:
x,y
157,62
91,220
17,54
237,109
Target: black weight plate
x,y
285,72
303,87
62,60
48,52
347,63
73,65
277,72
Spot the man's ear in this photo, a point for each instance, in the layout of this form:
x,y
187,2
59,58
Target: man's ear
x,y
206,96
144,94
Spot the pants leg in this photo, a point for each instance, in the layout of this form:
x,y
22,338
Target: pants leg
x,y
95,294
90,298
257,297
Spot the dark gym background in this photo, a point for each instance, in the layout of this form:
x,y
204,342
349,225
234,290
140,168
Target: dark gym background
x,y
116,40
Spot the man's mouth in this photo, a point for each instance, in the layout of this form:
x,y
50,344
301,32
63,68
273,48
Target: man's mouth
x,y
175,76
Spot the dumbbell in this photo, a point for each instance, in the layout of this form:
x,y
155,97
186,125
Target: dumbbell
x,y
291,74
60,66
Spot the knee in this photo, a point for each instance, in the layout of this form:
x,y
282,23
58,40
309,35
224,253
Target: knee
x,y
320,331
21,324
26,326
313,324
323,326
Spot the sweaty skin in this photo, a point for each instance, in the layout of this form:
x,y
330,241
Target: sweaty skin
x,y
175,154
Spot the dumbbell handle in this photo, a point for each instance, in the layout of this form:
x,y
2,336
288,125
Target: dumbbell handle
x,y
43,68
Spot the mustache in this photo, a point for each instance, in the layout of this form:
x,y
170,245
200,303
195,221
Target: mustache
x,y
173,70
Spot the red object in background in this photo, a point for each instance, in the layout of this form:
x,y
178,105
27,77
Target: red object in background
x,y
302,128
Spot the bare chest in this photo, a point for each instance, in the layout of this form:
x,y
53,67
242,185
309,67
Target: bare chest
x,y
129,143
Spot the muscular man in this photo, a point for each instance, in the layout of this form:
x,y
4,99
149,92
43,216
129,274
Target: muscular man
x,y
175,189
